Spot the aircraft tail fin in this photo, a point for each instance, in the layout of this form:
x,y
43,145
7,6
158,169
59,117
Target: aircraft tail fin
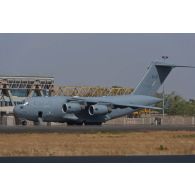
x,y
154,77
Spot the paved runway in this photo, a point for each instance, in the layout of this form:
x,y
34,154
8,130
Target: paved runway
x,y
91,129
102,159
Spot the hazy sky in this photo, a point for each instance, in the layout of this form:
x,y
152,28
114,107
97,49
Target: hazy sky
x,y
99,59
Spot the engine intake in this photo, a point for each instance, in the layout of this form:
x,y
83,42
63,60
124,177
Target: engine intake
x,y
99,109
71,107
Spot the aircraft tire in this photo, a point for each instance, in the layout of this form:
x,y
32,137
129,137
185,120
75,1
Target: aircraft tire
x,y
40,121
91,123
24,123
71,124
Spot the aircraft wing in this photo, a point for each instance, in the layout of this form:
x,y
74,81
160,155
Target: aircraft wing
x,y
91,101
135,106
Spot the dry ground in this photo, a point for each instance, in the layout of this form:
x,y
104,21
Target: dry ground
x,y
65,144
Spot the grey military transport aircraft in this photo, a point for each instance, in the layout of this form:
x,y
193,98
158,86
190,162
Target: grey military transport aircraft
x,y
96,110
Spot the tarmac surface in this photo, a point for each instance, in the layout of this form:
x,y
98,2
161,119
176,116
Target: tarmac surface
x,y
92,129
102,159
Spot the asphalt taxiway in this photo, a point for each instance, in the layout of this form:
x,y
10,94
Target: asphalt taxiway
x,y
102,159
92,129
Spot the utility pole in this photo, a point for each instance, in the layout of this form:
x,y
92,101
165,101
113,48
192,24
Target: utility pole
x,y
164,58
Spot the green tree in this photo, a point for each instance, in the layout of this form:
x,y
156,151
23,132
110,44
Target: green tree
x,y
176,105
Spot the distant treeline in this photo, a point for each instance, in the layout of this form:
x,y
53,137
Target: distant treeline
x,y
176,105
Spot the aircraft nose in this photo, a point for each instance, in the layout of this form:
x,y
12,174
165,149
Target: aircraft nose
x,y
16,110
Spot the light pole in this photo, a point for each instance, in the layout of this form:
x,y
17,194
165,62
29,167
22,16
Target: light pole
x,y
164,58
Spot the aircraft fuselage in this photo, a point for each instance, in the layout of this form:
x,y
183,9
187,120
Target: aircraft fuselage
x,y
50,109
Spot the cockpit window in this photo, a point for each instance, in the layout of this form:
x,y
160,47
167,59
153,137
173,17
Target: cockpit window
x,y
23,101
26,103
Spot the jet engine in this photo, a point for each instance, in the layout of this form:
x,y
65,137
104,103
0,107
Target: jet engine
x,y
99,109
72,107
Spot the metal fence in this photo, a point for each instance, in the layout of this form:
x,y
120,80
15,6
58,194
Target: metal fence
x,y
167,120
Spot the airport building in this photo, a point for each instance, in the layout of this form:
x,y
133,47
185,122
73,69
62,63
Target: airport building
x,y
14,89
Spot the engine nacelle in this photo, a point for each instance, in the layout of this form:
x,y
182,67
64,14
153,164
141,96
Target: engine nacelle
x,y
99,109
71,107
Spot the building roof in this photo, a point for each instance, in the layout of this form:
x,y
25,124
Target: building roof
x,y
26,77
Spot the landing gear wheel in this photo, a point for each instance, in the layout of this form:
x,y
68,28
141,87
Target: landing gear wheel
x,y
71,124
79,124
90,123
40,121
24,123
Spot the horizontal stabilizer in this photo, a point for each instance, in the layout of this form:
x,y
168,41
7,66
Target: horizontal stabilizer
x,y
175,66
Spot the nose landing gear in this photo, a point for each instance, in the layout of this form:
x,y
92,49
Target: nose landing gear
x,y
24,123
40,118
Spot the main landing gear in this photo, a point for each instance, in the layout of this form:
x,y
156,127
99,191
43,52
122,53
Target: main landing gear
x,y
93,123
85,123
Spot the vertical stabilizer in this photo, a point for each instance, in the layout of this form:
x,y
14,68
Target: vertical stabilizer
x,y
155,76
